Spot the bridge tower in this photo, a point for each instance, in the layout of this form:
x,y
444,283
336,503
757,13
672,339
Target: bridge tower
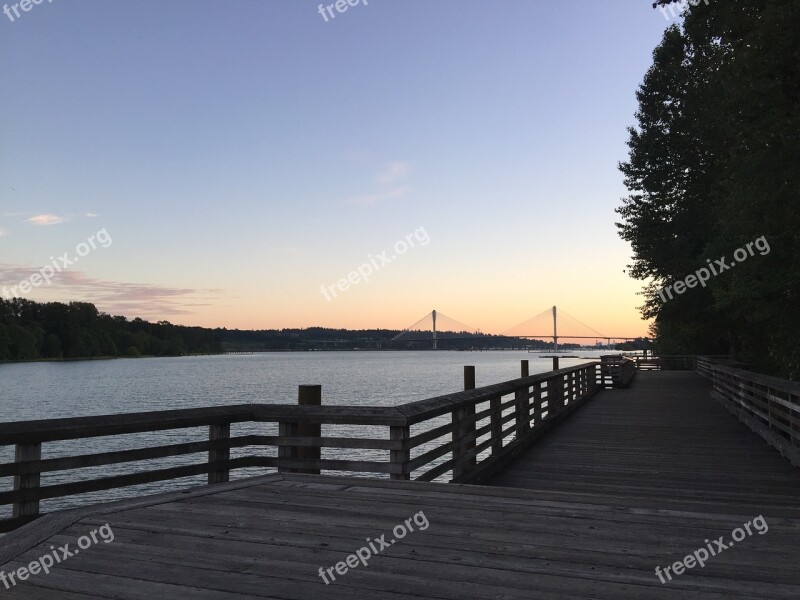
x,y
555,330
433,314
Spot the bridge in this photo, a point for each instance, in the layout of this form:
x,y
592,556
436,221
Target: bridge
x,y
595,481
436,331
545,325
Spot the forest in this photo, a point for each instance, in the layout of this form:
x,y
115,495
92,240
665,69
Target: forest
x,y
33,331
713,166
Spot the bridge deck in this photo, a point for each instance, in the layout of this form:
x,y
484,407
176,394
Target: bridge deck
x,y
636,478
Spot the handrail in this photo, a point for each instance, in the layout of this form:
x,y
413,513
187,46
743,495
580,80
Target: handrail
x,y
462,437
770,406
617,370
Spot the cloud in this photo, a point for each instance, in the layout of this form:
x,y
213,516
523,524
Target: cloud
x,y
114,297
91,215
393,172
2,233
41,220
370,199
389,178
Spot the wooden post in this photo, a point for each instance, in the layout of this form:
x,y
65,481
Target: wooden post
x,y
469,378
497,426
554,395
400,457
218,432
285,450
25,453
555,363
469,411
519,417
537,405
309,395
462,429
523,403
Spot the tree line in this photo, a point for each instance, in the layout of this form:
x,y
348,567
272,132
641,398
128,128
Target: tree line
x,y
321,338
35,331
713,166
77,330
32,331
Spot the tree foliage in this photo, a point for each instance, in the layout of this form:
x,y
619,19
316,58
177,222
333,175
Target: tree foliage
x,y
31,330
713,165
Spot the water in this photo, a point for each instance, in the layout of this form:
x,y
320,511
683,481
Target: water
x,y
53,390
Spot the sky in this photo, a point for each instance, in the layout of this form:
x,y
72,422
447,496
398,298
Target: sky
x,y
262,164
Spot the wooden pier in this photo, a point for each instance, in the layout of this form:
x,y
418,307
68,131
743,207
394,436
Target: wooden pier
x,y
584,493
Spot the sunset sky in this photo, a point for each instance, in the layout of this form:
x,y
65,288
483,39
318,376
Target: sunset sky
x,y
245,156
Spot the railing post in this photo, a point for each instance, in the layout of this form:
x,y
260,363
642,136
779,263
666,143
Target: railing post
x,y
400,457
25,453
469,411
469,378
536,413
496,417
218,432
460,431
309,395
285,449
463,429
554,407
523,411
523,403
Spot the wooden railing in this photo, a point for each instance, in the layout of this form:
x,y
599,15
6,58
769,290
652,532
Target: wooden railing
x,y
668,362
463,437
617,370
768,405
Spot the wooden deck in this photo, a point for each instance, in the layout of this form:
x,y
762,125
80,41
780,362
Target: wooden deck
x,y
635,479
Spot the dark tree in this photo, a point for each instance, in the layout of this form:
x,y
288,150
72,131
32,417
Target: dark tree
x,y
712,167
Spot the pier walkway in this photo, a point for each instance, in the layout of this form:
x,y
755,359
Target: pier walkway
x,y
635,479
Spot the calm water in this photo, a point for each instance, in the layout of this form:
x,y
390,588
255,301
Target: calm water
x,y
51,390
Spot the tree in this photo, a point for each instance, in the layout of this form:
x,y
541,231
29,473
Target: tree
x,y
712,167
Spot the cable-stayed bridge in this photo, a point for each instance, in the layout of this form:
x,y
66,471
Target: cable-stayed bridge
x,y
550,324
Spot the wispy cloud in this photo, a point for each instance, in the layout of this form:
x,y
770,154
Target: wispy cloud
x,y
369,199
2,233
114,297
42,220
393,172
389,178
91,215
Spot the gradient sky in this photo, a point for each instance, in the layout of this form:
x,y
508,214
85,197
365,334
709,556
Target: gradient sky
x,y
242,154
